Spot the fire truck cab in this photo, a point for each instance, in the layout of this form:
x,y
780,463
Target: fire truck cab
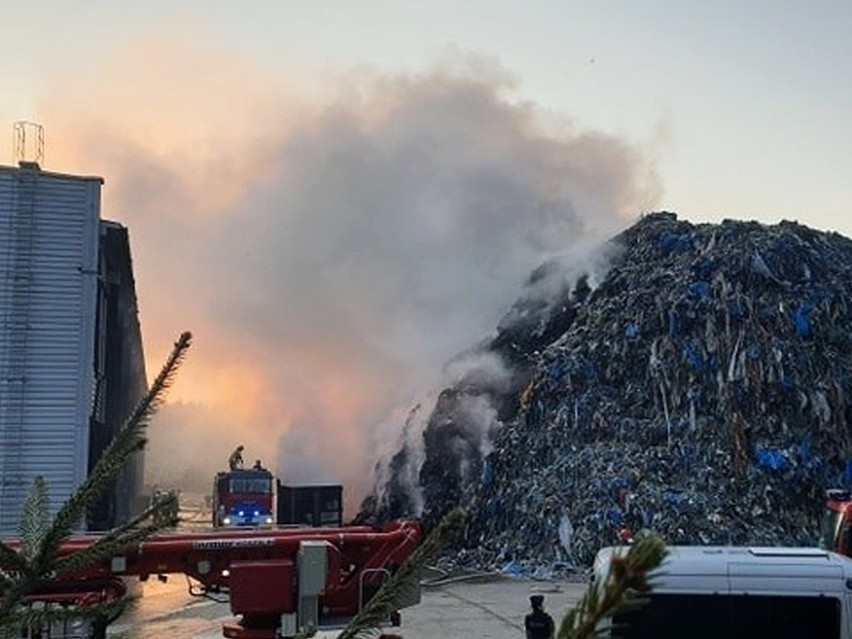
x,y
243,497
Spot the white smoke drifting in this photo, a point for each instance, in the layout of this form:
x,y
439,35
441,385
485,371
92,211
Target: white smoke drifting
x,y
329,255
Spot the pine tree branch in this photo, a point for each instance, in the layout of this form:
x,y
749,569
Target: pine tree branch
x,y
14,594
37,558
117,541
35,519
622,588
130,438
11,560
405,582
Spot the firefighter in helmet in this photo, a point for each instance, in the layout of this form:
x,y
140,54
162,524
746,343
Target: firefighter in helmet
x,y
236,459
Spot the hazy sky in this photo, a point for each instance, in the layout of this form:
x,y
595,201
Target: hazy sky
x,y
746,104
337,197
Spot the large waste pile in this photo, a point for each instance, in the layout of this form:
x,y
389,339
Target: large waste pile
x,y
702,390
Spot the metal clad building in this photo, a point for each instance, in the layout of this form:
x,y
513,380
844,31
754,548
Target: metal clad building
x,y
48,298
119,369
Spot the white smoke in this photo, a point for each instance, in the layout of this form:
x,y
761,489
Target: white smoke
x,y
330,257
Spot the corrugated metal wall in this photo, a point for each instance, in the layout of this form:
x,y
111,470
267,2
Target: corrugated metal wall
x,y
119,366
48,287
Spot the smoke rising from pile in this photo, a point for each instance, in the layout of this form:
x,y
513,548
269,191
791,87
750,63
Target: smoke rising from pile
x,y
330,254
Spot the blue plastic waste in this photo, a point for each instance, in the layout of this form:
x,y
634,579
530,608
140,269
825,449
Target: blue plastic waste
x,y
699,289
512,569
694,358
802,321
771,459
615,516
674,323
670,243
847,474
485,475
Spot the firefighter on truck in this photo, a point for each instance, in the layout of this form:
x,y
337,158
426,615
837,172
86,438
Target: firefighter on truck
x,y
243,496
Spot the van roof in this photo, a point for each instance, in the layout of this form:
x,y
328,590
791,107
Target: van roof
x,y
723,562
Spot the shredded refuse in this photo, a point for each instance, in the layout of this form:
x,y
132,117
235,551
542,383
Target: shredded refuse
x,y
702,389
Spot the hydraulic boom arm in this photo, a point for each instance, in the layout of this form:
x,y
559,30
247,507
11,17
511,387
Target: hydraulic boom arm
x,y
278,580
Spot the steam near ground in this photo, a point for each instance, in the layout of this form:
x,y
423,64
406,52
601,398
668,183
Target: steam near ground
x,y
331,250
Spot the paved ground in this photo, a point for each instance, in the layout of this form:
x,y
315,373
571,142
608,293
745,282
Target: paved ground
x,y
492,610
459,610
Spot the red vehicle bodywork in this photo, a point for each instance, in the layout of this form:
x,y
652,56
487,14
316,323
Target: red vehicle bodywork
x,y
836,533
258,569
243,497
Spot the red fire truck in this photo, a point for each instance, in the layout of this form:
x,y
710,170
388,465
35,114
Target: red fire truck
x,y
243,497
253,497
278,581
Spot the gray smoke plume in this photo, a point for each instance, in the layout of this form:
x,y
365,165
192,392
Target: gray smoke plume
x,y
332,262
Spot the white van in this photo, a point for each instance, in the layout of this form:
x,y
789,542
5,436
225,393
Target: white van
x,y
741,593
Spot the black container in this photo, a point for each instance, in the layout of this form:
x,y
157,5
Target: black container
x,y
320,505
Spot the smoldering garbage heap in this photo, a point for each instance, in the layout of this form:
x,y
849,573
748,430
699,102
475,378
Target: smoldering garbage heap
x,y
703,390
